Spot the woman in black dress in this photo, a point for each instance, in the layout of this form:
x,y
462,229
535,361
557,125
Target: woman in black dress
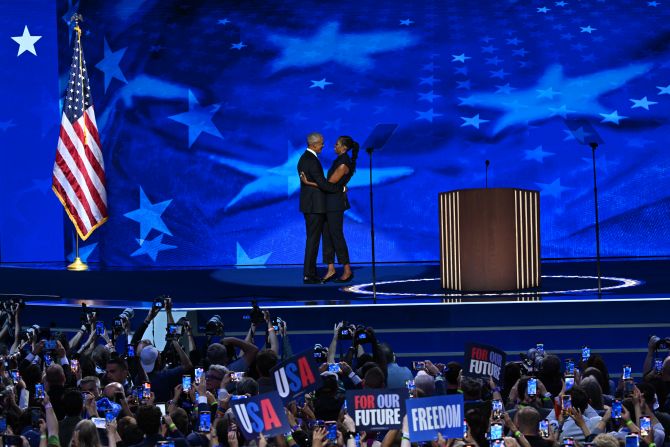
x,y
340,173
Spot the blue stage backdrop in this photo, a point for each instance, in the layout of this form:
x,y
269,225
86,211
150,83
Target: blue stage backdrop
x,y
203,107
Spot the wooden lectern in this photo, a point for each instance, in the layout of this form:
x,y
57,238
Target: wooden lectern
x,y
490,239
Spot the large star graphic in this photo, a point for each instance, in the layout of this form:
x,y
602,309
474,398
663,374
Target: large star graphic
x,y
109,65
26,42
553,189
271,184
538,154
579,94
152,247
243,259
198,119
149,216
353,51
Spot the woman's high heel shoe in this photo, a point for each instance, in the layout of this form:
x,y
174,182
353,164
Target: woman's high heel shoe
x,y
345,280
328,278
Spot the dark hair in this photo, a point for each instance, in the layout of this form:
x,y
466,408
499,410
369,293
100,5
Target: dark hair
x,y
580,399
350,143
180,419
597,362
265,361
451,372
247,386
149,419
118,361
73,403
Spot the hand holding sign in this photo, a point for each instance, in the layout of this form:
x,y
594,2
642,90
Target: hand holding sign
x,y
261,414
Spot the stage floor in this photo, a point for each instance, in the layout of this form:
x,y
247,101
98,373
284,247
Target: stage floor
x,y
202,288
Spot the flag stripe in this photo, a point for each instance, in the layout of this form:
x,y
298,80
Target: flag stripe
x,y
88,164
81,172
77,185
72,203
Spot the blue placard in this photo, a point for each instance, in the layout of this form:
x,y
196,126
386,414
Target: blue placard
x,y
429,416
261,414
297,376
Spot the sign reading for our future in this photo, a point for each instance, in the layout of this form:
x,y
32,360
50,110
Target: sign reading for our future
x,y
261,414
428,416
297,376
483,361
375,410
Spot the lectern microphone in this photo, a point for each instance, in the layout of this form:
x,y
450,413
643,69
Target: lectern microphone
x,y
487,173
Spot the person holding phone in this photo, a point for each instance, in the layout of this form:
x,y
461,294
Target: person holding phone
x,y
581,419
526,422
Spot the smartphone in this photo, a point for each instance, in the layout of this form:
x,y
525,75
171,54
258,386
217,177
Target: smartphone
x,y
166,443
130,351
146,390
566,403
3,425
237,376
158,303
568,442
186,383
569,367
497,409
221,394
204,422
658,365
74,366
16,376
411,387
586,353
544,428
539,347
39,391
616,409
162,408
645,426
331,431
496,431
198,375
334,367
47,359
99,328
632,441
109,416
418,366
626,372
569,382
628,387
531,390
100,422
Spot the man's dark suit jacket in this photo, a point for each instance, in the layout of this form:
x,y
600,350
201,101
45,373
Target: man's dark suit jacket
x,y
313,200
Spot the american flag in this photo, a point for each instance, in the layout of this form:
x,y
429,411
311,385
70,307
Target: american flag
x,y
79,170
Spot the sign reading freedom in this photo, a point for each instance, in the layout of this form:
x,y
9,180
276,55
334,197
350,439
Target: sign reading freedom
x,y
428,416
297,376
375,410
483,361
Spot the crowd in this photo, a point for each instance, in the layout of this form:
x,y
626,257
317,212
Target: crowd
x,y
113,387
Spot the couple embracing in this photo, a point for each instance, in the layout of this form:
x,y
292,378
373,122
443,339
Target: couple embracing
x,y
323,201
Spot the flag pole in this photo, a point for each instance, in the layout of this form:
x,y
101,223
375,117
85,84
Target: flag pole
x,y
78,265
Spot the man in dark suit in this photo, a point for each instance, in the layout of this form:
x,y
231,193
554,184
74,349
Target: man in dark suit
x,y
313,203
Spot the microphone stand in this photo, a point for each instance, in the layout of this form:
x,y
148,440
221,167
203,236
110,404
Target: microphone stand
x,y
487,174
594,146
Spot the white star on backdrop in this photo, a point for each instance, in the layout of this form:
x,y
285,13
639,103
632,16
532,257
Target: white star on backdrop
x,y
26,42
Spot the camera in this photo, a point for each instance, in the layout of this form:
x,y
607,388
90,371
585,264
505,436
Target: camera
x,y
214,326
346,332
277,323
531,362
256,315
31,333
661,343
173,331
123,318
361,335
87,316
8,305
159,302
320,353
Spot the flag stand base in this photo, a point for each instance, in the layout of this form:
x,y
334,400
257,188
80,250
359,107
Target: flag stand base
x,y
77,265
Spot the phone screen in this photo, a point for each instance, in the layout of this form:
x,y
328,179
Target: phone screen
x,y
626,372
3,425
532,386
162,408
586,353
569,383
497,409
99,422
540,348
334,367
205,422
74,365
198,375
569,367
131,351
15,375
567,404
35,416
658,365
544,428
146,391
496,431
331,427
99,328
186,383
632,441
47,359
465,428
645,426
616,409
39,391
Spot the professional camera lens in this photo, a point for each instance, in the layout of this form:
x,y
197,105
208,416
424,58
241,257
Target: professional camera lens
x,y
127,314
